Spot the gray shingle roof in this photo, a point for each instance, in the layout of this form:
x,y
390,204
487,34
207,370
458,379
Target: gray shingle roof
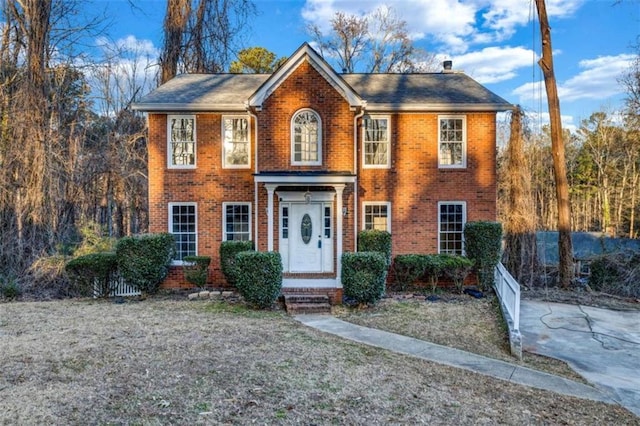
x,y
450,91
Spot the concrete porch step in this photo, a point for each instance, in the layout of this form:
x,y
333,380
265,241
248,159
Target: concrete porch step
x,y
297,304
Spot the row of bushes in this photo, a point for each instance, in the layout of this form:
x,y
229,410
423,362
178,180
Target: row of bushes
x,y
364,273
142,261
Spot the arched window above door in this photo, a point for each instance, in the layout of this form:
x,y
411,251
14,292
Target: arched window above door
x,y
306,138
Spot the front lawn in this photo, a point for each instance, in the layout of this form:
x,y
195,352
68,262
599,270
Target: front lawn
x,y
178,362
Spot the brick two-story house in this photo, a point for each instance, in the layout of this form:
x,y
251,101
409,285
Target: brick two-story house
x,y
301,160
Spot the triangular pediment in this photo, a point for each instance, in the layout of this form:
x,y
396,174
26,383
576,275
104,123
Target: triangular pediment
x,y
308,54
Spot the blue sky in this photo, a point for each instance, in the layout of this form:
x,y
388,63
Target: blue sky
x,y
496,42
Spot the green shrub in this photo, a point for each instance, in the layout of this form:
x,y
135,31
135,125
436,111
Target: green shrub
x,y
228,252
94,273
9,287
196,269
434,265
374,240
259,277
407,269
143,261
457,268
364,276
483,244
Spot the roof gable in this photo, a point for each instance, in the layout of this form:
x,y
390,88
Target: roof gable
x,y
304,53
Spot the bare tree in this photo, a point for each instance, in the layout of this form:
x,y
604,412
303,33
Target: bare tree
x,y
202,35
380,40
520,254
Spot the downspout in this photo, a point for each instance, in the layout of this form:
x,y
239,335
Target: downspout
x,y
363,106
255,184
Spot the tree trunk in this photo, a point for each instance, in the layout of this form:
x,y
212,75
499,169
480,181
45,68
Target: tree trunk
x,y
557,147
175,24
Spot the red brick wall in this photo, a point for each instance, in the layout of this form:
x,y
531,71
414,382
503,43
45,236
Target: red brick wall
x,y
414,185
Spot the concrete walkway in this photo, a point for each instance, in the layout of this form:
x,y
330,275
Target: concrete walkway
x,y
453,357
601,345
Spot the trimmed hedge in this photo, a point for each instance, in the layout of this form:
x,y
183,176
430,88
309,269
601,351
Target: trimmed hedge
x,y
374,240
143,261
457,268
196,269
259,277
408,268
94,274
228,252
363,276
483,244
434,267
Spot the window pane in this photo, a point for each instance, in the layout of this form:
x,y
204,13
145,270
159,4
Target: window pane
x,y
236,141
306,140
182,142
237,225
451,141
184,229
376,141
451,223
376,217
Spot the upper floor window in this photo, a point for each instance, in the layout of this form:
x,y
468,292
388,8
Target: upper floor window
x,y
376,142
452,141
183,225
235,142
451,219
377,216
306,138
181,149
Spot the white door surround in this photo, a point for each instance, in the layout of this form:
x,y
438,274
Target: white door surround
x,y
306,193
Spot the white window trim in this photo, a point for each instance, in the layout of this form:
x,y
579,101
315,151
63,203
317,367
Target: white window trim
x,y
464,142
170,224
376,203
170,164
224,156
364,130
224,217
464,219
293,142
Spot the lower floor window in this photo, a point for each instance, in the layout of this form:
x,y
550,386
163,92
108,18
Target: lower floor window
x,y
376,216
451,219
183,226
237,221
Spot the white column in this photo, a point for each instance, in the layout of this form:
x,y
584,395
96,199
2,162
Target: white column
x,y
339,190
270,189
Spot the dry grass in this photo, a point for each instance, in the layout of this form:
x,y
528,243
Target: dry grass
x,y
458,321
176,362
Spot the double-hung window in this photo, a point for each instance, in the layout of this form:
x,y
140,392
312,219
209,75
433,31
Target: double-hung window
x,y
235,142
181,141
236,221
451,219
452,141
306,138
183,224
376,142
377,215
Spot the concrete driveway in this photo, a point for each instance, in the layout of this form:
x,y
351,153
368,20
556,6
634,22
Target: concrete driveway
x,y
601,345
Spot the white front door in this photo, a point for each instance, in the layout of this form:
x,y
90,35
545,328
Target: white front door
x,y
306,238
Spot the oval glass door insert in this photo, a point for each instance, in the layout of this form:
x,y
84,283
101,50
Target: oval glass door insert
x,y
306,229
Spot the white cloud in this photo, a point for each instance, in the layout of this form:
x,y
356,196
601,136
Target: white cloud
x,y
454,24
494,64
597,80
